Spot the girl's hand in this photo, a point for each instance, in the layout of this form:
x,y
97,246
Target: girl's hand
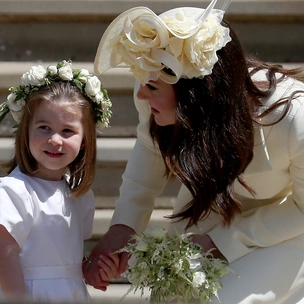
x,y
116,238
205,241
108,266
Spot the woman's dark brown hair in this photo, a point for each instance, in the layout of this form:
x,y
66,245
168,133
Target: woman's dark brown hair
x,y
82,170
211,143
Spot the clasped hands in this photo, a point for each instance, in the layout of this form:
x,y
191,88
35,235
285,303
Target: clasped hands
x,y
106,265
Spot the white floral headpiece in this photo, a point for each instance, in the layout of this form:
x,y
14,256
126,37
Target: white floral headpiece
x,y
184,40
38,76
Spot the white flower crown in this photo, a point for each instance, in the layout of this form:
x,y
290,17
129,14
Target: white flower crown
x,y
38,76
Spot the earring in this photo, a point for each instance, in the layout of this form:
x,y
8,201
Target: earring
x,y
50,140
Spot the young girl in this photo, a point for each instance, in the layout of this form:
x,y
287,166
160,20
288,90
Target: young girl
x,y
230,128
46,201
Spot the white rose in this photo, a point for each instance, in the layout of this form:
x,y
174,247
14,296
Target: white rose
x,y
155,232
199,279
13,104
200,49
180,24
142,246
17,115
132,261
66,72
99,97
92,86
35,76
83,75
52,69
134,46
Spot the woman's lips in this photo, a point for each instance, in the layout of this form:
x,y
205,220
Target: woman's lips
x,y
154,111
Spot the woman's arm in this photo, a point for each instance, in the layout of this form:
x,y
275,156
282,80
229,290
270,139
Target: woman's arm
x,y
11,274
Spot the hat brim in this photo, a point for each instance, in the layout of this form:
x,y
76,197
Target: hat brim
x,y
102,61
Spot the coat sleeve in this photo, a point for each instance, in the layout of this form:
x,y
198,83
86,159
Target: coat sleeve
x,y
281,220
144,178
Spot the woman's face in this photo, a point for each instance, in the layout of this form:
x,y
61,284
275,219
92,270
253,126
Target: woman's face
x,y
162,100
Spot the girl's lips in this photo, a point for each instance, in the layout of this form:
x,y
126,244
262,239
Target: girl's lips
x,y
53,154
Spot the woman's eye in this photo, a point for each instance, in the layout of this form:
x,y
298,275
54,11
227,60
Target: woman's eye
x,y
151,87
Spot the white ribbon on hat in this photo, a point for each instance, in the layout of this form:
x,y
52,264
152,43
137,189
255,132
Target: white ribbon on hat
x,y
156,23
200,19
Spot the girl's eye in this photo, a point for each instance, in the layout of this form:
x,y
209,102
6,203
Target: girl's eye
x,y
151,87
44,127
68,131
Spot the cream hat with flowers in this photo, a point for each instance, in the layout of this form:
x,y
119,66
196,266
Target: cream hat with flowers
x,y
179,43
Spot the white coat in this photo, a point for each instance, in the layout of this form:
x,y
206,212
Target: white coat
x,y
265,244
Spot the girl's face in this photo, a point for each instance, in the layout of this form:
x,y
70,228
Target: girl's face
x,y
55,137
162,100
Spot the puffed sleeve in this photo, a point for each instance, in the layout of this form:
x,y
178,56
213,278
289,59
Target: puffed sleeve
x,y
16,209
143,178
282,219
89,211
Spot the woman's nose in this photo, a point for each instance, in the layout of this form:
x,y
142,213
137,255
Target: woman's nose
x,y
142,93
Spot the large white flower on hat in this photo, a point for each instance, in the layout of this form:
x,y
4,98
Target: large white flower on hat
x,y
200,49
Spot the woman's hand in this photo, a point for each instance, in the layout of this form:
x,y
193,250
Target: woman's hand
x,y
116,238
205,241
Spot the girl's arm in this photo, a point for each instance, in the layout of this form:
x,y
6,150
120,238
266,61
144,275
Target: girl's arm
x,y
11,274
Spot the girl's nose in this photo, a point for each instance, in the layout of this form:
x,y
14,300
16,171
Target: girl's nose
x,y
55,140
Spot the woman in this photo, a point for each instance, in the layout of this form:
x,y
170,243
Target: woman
x,y
230,128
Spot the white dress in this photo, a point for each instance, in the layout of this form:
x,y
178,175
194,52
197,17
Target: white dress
x,y
50,228
265,244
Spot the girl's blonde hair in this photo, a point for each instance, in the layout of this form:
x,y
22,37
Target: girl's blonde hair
x,y
81,171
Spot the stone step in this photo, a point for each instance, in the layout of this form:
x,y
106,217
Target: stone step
x,y
116,293
119,83
30,32
103,216
112,156
106,8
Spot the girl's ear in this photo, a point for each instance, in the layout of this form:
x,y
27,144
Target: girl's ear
x,y
82,146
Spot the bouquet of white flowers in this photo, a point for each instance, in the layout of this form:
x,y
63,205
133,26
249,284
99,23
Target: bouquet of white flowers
x,y
172,267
